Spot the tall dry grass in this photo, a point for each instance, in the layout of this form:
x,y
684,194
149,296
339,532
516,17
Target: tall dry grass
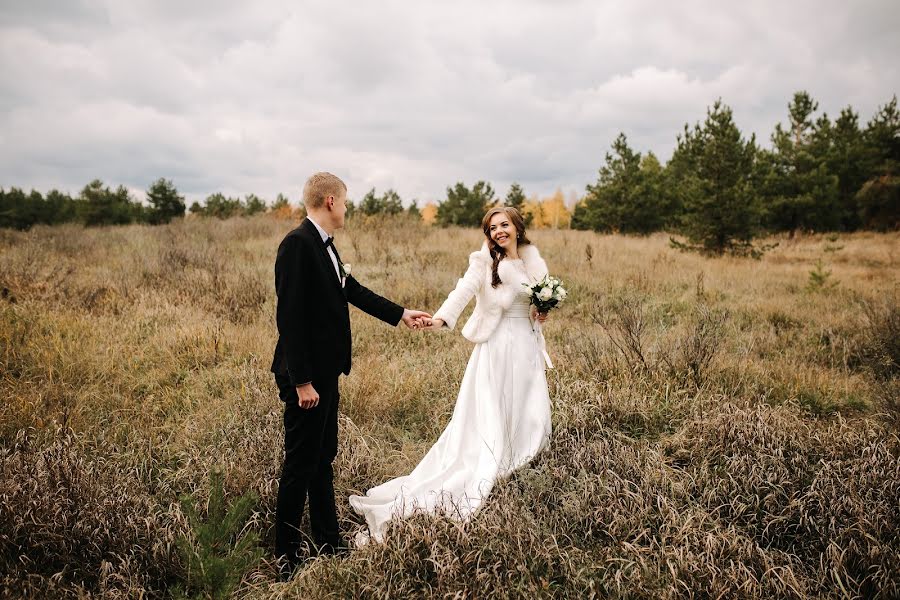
x,y
721,429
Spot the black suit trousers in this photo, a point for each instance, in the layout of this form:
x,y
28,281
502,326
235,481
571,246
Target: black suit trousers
x,y
310,446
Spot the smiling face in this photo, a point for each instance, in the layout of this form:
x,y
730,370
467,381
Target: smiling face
x,y
504,228
502,231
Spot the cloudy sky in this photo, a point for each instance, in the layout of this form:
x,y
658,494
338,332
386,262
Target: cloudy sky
x,y
254,96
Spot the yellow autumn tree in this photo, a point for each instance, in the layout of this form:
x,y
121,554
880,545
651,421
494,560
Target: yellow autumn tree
x,y
286,212
555,213
429,213
532,208
552,212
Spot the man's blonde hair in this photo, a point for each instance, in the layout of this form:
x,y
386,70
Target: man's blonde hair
x,y
319,186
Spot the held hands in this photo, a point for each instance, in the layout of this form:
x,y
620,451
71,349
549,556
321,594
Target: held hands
x,y
415,319
427,323
432,324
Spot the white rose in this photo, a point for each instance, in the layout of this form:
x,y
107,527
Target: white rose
x,y
561,292
545,294
346,268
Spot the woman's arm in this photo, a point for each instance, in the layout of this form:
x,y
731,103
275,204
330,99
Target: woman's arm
x,y
465,289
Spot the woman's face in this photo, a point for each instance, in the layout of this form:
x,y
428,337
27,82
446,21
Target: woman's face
x,y
502,231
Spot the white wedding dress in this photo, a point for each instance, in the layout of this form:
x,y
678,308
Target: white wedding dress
x,y
500,422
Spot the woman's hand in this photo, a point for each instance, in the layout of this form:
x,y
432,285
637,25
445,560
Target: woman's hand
x,y
433,324
538,316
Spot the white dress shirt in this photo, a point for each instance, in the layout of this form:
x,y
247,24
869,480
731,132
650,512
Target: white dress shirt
x,y
330,249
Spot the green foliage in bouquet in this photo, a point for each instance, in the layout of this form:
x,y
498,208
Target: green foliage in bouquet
x,y
546,293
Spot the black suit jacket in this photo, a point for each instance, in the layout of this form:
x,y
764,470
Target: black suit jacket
x,y
312,313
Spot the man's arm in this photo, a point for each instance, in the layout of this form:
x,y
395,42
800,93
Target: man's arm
x,y
368,301
290,312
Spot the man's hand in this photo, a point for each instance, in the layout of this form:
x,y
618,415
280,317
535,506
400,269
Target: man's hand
x,y
413,318
309,397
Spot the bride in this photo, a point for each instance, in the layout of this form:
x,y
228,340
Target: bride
x,y
502,415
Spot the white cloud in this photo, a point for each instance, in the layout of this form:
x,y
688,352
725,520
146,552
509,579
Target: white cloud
x,y
252,97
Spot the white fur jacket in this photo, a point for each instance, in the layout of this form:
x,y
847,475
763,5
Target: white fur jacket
x,y
489,302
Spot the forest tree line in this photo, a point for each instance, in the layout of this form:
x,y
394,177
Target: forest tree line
x,y
719,189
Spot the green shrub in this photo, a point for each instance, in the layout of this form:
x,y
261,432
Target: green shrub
x,y
215,553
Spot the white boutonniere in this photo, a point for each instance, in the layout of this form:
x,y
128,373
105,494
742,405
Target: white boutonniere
x,y
345,272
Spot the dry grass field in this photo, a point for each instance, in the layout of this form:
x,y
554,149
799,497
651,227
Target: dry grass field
x,y
722,427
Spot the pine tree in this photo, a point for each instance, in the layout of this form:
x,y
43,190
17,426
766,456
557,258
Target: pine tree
x,y
879,198
222,207
13,208
580,216
391,204
98,205
515,198
388,203
846,159
465,207
712,166
370,204
253,204
628,196
165,202
615,187
60,207
882,136
281,203
799,192
215,555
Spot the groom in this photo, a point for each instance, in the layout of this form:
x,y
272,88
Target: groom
x,y
313,289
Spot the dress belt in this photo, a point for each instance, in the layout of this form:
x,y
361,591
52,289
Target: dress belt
x,y
518,313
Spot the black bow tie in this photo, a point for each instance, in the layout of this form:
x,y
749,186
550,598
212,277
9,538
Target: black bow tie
x,y
330,242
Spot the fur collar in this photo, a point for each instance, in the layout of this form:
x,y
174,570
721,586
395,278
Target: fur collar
x,y
503,295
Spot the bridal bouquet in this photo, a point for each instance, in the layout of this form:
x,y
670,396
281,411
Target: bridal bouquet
x,y
546,293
